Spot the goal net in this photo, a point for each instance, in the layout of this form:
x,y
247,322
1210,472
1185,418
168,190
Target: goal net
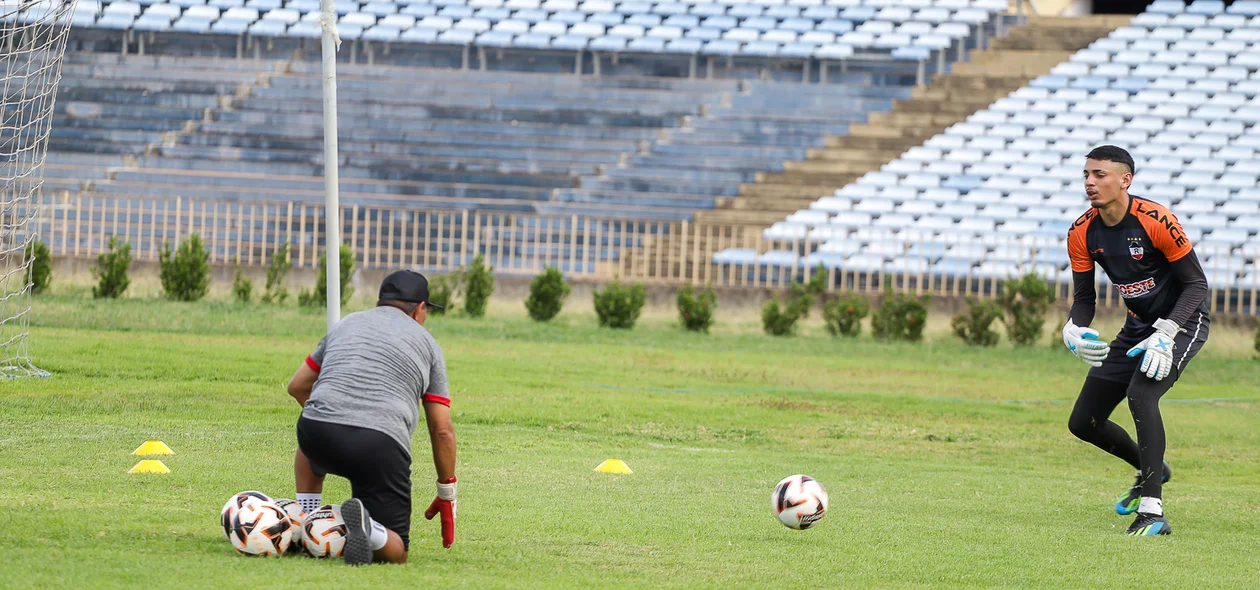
x,y
32,41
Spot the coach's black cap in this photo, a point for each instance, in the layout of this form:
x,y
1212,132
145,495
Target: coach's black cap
x,y
407,285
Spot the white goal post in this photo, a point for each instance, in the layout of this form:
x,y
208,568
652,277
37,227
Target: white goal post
x,y
32,42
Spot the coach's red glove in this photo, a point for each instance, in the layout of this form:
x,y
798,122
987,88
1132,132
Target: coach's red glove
x,y
444,503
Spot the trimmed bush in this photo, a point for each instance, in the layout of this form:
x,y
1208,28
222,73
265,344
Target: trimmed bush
x,y
277,269
975,326
778,318
242,288
111,270
546,294
319,297
619,306
1025,301
478,286
900,317
441,292
185,271
844,314
696,310
41,266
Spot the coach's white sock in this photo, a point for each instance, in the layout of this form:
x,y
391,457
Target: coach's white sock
x,y
310,502
1151,506
379,536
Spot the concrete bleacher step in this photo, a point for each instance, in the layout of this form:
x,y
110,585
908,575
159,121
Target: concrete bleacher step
x,y
874,158
757,194
812,178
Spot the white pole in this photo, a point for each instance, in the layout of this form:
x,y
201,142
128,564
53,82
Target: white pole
x,y
330,41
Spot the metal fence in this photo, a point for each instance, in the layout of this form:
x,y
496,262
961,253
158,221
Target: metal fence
x,y
601,248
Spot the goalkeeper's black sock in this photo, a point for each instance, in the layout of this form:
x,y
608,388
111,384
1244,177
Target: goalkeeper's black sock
x,y
1144,396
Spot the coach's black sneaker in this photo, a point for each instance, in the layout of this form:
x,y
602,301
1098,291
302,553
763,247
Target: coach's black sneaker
x,y
1128,502
1149,525
358,550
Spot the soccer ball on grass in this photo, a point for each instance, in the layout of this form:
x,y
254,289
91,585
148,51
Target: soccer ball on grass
x,y
256,525
799,501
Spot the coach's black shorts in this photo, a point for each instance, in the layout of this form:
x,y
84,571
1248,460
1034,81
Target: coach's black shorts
x,y
378,468
1119,367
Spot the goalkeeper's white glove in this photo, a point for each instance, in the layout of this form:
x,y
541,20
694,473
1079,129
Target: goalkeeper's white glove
x,y
1084,343
1157,362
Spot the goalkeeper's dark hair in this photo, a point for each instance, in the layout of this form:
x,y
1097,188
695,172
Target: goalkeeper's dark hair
x,y
1111,153
407,307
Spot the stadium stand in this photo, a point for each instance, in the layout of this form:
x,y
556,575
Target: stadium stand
x,y
833,30
993,195
629,144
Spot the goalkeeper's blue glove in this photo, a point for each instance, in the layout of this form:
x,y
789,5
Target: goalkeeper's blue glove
x,y
1084,343
1157,362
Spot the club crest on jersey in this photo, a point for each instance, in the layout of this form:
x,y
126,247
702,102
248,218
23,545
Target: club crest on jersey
x,y
1135,248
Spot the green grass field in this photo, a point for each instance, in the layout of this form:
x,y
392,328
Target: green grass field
x,y
946,466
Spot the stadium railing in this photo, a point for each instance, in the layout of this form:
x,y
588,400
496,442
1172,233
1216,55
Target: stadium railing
x,y
597,247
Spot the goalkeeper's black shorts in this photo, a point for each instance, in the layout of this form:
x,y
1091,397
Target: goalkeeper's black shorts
x,y
378,468
1118,366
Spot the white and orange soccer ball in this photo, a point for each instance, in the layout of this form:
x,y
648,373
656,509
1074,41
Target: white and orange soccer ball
x,y
799,502
324,532
296,517
256,525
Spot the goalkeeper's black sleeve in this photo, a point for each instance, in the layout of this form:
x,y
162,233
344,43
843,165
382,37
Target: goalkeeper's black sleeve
x,y
1084,298
1194,288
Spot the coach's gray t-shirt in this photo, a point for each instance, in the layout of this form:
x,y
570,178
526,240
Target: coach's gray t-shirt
x,y
374,368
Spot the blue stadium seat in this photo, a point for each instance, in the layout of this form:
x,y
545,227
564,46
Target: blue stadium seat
x,y
1206,7
686,46
760,49
606,19
420,34
858,14
495,39
229,27
1247,8
834,51
152,22
646,45
670,8
570,42
457,37
721,23
819,13
721,47
533,41
745,10
608,44
799,25
642,20
835,26
1166,7
704,33
707,10
684,21
799,50
267,28
493,14
191,24
760,23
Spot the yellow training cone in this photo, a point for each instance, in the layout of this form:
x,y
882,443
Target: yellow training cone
x,y
614,466
153,447
150,466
